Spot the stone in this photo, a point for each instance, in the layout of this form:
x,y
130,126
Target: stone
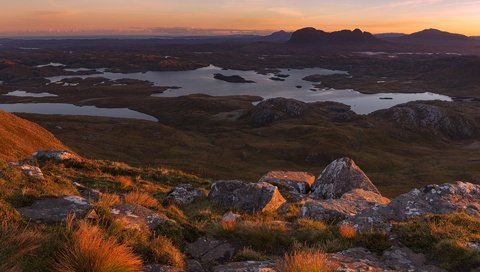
x,y
184,194
32,171
299,182
133,216
350,204
210,251
231,217
57,155
248,197
275,109
431,199
248,266
55,210
340,177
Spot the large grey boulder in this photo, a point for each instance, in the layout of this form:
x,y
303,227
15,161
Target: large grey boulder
x,y
133,216
350,204
431,199
248,266
340,177
184,194
298,182
55,210
248,197
210,251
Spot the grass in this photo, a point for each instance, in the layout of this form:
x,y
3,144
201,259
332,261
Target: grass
x,y
141,198
306,260
443,238
165,252
347,231
89,250
17,243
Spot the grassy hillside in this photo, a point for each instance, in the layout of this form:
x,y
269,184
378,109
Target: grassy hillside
x,y
19,138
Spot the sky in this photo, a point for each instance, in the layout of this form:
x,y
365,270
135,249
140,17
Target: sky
x,y
204,17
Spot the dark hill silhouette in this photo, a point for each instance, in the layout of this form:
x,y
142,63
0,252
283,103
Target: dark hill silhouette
x,y
433,36
311,35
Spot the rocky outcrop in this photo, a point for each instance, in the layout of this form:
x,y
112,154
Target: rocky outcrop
x,y
184,194
248,266
210,251
55,210
275,109
394,259
340,177
298,182
248,197
350,204
57,155
436,118
32,171
133,216
436,199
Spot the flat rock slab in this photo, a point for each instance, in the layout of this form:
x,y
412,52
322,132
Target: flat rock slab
x,y
299,182
248,197
57,155
133,216
54,210
340,177
32,171
350,204
249,266
210,251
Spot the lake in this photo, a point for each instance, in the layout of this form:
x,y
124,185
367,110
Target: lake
x,y
202,81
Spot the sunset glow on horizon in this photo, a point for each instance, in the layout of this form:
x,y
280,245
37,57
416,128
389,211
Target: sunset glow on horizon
x,y
24,17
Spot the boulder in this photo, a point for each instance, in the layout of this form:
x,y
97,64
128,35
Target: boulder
x,y
431,199
434,117
133,216
248,266
231,217
32,171
160,268
340,177
274,109
55,210
57,155
350,204
248,197
299,182
184,194
210,251
90,194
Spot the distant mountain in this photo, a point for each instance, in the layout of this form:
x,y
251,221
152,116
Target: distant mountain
x,y
279,36
433,36
311,35
389,35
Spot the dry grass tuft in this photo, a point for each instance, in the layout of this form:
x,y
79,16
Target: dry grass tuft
x,y
165,252
90,251
347,231
229,225
306,260
141,198
108,200
125,182
15,243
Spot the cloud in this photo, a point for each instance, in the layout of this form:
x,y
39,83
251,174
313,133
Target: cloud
x,y
286,11
52,13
